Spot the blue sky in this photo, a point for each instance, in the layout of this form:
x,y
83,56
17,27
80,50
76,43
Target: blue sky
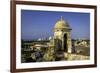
x,y
39,24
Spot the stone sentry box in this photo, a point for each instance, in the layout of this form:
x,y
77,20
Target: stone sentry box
x,y
62,35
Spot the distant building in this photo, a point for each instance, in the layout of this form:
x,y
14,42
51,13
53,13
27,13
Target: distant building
x,y
83,42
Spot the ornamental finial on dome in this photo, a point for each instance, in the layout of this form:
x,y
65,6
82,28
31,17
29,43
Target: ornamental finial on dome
x,y
61,18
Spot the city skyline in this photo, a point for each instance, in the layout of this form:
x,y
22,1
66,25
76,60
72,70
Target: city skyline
x,y
40,24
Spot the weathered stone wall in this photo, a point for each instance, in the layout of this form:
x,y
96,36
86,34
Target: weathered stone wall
x,y
72,57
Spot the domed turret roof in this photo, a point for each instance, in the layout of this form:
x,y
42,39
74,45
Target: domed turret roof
x,y
61,24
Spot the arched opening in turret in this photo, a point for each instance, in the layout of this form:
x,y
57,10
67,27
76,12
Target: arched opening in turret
x,y
65,42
